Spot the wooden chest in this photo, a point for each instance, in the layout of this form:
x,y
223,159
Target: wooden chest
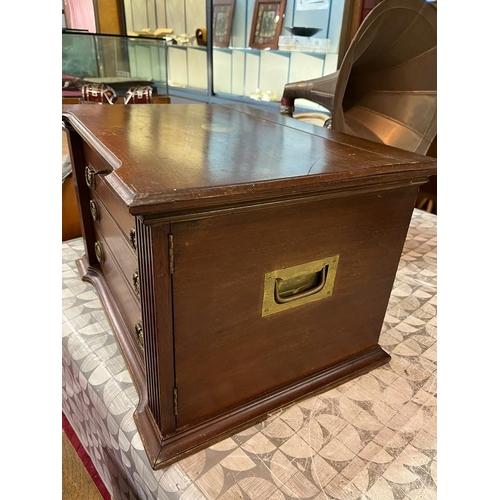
x,y
244,260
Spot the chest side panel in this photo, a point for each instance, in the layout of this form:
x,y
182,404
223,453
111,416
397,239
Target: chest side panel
x,y
227,352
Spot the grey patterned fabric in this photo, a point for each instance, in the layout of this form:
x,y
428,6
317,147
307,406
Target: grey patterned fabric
x,y
371,438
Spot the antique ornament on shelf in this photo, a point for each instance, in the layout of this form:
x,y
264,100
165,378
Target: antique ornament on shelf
x,y
267,96
302,31
266,24
222,22
184,39
201,37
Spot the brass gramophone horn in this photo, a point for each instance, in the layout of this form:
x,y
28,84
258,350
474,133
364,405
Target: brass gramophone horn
x,y
386,87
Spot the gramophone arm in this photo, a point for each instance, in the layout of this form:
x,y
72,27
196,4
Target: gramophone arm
x,y
319,90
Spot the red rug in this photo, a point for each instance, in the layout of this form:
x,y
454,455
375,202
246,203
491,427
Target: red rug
x,y
84,457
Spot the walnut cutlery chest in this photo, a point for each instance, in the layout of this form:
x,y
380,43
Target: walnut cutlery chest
x,y
244,259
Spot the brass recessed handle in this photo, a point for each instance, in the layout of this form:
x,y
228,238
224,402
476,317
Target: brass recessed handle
x,y
297,288
291,287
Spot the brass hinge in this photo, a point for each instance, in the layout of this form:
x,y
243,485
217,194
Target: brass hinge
x,y
176,405
171,252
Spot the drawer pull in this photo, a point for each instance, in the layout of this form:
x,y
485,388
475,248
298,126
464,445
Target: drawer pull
x,y
135,283
290,287
90,174
139,335
99,252
131,237
299,287
94,210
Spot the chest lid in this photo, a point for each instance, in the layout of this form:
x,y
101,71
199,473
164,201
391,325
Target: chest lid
x,y
183,157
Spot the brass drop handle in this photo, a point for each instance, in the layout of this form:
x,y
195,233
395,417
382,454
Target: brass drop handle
x,y
139,335
297,288
135,283
99,252
94,210
90,174
131,237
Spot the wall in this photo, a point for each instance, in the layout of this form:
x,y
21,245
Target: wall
x,y
110,17
80,14
183,16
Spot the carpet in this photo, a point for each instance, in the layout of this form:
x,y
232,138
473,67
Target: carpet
x,y
84,457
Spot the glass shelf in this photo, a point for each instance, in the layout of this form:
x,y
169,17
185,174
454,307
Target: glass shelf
x,y
249,50
112,57
245,72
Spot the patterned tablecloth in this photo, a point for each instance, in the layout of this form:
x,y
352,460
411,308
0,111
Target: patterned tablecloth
x,y
371,438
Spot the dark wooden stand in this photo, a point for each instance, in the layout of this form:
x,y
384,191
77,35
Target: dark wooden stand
x,y
245,260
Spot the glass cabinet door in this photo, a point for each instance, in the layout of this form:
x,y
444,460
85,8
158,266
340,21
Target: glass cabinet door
x,y
176,22
220,50
273,42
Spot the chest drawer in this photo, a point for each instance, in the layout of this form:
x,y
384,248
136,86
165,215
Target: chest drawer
x,y
97,184
116,243
122,293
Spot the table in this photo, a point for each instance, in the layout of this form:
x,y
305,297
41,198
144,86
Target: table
x,y
373,436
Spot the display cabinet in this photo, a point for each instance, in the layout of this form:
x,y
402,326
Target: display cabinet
x,y
120,60
187,69
260,60
218,50
241,58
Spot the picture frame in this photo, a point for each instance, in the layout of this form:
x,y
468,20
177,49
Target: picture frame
x,y
266,24
222,22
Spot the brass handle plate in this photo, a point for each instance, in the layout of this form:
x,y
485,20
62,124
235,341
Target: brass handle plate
x,y
90,176
299,285
135,283
99,252
139,334
94,210
131,237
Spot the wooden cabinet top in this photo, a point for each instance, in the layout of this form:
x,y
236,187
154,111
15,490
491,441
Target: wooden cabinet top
x,y
181,157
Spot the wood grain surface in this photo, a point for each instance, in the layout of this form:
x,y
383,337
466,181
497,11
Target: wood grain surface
x,y
196,155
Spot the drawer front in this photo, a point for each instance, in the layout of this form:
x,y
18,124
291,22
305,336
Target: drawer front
x,y
122,293
116,241
95,160
107,196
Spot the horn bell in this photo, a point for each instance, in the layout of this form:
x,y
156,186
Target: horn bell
x,y
386,87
